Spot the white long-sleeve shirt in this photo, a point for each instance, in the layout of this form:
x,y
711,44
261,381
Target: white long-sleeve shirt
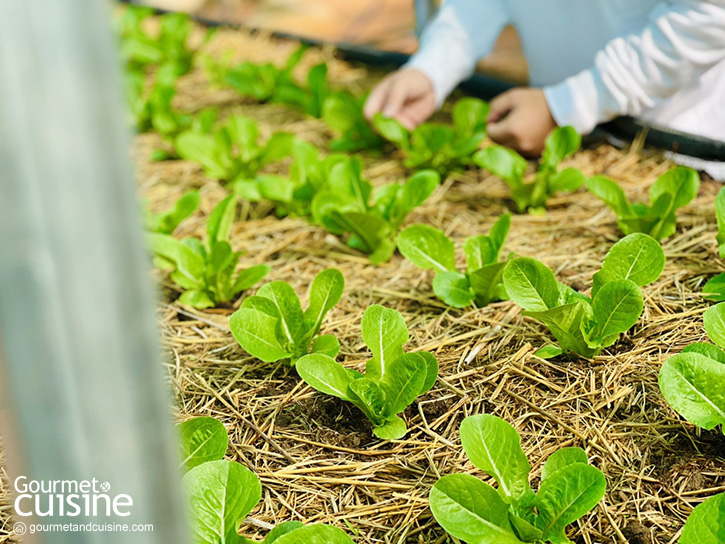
x,y
662,61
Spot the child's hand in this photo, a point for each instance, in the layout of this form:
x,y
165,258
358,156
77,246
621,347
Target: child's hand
x,y
406,95
520,119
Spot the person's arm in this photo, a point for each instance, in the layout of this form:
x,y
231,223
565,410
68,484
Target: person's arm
x,y
684,39
461,33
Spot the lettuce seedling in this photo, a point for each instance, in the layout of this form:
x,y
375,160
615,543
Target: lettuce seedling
x,y
222,493
474,511
511,167
271,325
345,206
232,153
706,524
343,113
308,175
261,81
202,439
714,289
169,47
269,83
693,381
583,325
207,272
150,108
216,69
720,216
166,222
437,146
393,379
672,190
429,248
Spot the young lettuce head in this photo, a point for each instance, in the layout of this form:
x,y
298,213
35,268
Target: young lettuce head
x,y
393,379
207,273
269,83
549,180
693,381
308,175
373,219
233,154
167,222
429,248
672,190
272,326
168,48
343,113
436,146
582,325
222,493
475,512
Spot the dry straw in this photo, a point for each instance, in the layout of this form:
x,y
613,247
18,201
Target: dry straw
x,y
317,457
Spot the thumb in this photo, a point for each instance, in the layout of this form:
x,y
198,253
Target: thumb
x,y
500,107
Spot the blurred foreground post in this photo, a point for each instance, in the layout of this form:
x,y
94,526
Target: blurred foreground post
x,y
84,387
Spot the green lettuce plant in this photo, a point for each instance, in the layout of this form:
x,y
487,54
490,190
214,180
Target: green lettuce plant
x,y
233,154
222,493
269,83
437,146
714,289
706,524
429,248
549,180
308,175
693,381
348,205
150,107
720,215
201,440
582,325
272,326
475,512
207,272
169,47
216,68
166,222
672,190
343,113
393,379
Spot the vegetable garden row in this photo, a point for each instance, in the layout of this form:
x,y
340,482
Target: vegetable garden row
x,y
331,192
484,425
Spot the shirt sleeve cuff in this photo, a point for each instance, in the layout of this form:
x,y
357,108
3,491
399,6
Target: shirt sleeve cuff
x,y
446,55
577,101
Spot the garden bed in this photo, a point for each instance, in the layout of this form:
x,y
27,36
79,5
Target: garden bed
x,y
317,457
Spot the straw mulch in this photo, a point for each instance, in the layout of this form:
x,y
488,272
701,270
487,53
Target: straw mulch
x,y
317,457
5,501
